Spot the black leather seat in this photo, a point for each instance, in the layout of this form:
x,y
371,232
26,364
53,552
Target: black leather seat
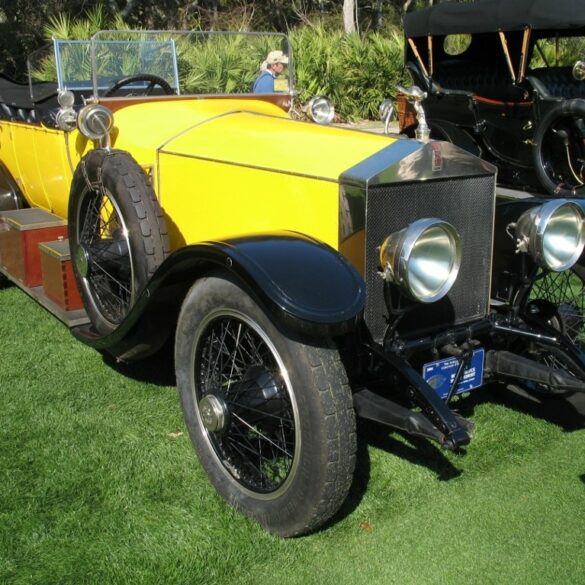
x,y
556,82
478,80
6,112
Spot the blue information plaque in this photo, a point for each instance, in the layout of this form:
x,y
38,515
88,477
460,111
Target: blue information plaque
x,y
440,374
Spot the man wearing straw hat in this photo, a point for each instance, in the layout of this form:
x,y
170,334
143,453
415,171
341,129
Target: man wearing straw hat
x,y
270,70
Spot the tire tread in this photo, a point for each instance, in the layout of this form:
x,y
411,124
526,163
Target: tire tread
x,y
143,215
341,435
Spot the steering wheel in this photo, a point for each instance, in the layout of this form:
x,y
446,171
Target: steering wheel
x,y
559,149
153,81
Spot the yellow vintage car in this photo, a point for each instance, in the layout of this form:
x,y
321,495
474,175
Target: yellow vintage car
x,y
305,273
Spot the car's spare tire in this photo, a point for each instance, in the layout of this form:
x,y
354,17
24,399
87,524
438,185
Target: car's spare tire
x,y
559,149
117,235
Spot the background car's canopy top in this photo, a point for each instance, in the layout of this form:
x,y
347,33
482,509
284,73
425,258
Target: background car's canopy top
x,y
494,15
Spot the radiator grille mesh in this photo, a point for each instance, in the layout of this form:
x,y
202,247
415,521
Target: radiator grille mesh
x,y
468,204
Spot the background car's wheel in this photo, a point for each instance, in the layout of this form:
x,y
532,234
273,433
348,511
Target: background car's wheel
x,y
559,149
117,235
270,416
562,317
566,291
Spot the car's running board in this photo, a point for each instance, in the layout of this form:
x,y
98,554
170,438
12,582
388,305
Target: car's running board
x,y
73,318
35,256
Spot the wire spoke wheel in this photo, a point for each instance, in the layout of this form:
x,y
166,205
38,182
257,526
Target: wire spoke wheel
x,y
107,261
559,149
239,379
269,412
558,298
565,290
564,154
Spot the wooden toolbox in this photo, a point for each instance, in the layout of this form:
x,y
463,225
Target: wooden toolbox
x,y
58,278
24,230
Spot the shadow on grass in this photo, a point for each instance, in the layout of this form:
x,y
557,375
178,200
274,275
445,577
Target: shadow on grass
x,y
158,369
416,450
567,413
4,282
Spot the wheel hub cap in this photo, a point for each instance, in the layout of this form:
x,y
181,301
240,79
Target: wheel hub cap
x,y
82,261
214,413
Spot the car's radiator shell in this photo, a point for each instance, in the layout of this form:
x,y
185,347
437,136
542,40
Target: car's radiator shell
x,y
468,204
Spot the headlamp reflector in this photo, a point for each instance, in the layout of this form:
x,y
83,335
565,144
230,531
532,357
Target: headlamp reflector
x,y
95,121
553,234
320,110
422,259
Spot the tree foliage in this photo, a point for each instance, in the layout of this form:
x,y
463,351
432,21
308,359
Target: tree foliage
x,y
22,21
355,70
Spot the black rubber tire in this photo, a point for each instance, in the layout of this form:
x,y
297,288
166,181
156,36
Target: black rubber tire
x,y
560,298
115,177
321,470
575,107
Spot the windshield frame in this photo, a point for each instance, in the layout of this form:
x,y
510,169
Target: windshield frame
x,y
282,39
92,80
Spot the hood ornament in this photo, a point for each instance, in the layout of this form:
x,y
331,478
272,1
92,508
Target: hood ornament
x,y
415,96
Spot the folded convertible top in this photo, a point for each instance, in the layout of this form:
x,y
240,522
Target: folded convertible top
x,y
494,15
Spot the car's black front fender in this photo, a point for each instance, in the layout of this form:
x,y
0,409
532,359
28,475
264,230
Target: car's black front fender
x,y
301,282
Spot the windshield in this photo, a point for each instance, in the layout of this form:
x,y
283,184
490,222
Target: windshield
x,y
136,62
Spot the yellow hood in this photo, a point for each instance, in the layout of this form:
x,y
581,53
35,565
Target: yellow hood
x,y
243,132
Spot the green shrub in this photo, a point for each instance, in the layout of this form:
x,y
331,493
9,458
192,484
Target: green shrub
x,y
356,72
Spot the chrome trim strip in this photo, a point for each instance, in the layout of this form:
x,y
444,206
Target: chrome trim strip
x,y
530,334
184,131
352,210
248,166
160,148
505,193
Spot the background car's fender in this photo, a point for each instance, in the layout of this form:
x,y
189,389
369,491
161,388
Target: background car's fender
x,y
300,282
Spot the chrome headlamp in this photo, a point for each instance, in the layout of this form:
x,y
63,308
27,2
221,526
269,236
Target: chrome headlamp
x,y
95,121
66,98
320,110
579,70
422,259
66,117
552,233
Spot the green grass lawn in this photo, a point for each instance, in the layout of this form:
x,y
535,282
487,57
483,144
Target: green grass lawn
x,y
99,484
